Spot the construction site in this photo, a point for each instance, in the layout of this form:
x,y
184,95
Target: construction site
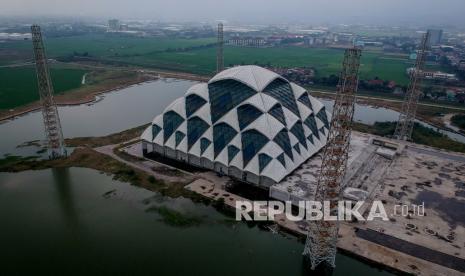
x,y
344,165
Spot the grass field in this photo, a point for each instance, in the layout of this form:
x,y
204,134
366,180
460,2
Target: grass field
x,y
103,45
151,52
18,86
325,61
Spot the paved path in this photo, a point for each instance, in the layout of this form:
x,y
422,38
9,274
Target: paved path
x,y
412,249
437,153
147,166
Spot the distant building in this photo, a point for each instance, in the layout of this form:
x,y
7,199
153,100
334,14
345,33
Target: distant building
x,y
113,25
257,42
435,37
433,75
359,43
123,27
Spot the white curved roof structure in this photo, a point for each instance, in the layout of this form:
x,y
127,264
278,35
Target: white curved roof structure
x,y
254,76
247,118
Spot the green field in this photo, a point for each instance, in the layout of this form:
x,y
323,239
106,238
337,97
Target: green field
x,y
103,45
18,85
325,61
152,52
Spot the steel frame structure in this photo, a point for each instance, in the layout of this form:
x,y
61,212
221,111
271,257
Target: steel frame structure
x,y
320,246
53,132
404,127
220,49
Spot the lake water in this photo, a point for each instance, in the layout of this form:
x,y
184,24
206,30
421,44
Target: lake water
x,y
117,111
81,222
131,107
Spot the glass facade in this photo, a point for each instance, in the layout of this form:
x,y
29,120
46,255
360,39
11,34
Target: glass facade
x,y
204,143
155,130
263,161
277,112
323,117
282,139
297,148
225,95
306,100
281,159
282,91
298,131
252,142
222,135
193,103
171,121
179,136
246,114
310,138
232,152
310,122
196,127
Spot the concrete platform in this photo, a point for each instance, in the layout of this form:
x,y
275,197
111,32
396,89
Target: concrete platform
x,y
301,184
419,174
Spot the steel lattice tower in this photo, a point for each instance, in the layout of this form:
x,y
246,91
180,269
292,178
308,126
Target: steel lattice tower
x,y
52,124
320,246
220,50
404,126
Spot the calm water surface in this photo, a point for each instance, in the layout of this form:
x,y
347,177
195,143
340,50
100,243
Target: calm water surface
x,y
79,221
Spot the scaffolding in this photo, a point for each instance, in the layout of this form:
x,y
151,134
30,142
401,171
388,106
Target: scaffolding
x,y
404,127
320,246
220,49
53,132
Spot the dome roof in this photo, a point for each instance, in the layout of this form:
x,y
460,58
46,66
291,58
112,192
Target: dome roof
x,y
246,117
254,76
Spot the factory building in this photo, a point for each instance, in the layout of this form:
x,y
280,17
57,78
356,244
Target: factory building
x,y
247,122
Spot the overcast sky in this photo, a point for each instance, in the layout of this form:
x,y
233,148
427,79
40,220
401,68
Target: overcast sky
x,y
398,12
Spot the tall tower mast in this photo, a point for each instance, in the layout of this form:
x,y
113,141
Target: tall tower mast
x,y
53,132
404,126
320,246
219,50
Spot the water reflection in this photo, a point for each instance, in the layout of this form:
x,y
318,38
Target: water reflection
x,y
115,236
63,184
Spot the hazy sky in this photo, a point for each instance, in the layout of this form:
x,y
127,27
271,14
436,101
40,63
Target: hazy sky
x,y
421,12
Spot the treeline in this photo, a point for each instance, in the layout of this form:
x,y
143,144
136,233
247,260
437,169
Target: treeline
x,y
459,120
187,49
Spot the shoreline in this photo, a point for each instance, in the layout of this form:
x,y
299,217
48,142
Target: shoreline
x,y
79,97
107,154
87,97
385,103
147,75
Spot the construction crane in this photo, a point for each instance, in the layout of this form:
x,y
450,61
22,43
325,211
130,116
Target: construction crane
x,y
404,127
53,132
320,246
219,50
